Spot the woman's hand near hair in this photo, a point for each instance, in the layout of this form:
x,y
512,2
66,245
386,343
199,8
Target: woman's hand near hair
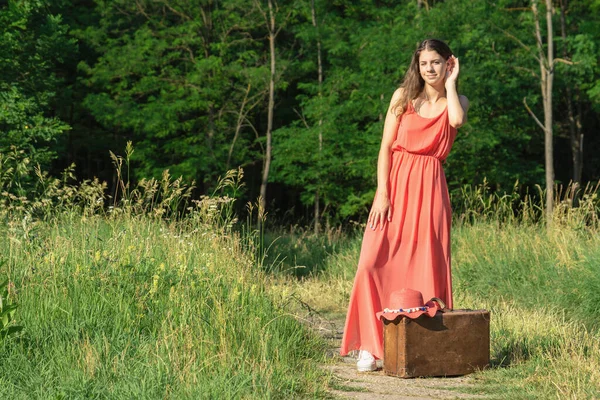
x,y
457,105
381,210
452,70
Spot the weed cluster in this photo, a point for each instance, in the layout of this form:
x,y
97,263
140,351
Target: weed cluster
x,y
574,207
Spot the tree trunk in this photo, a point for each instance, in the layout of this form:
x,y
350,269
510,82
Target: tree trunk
x,y
207,39
548,119
238,126
575,135
320,76
267,163
547,76
579,132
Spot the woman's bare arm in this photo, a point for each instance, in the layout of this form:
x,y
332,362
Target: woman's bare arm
x,y
381,211
457,105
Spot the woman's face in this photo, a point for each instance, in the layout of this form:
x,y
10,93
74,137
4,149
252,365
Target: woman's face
x,y
432,67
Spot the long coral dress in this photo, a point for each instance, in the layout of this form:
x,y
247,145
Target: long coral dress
x,y
413,249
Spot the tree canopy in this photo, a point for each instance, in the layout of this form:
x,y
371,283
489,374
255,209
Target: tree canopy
x,y
188,81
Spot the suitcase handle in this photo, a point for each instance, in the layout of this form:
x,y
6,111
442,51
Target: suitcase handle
x,y
440,302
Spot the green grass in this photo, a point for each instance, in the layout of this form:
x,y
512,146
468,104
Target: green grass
x,y
530,267
542,290
134,307
145,301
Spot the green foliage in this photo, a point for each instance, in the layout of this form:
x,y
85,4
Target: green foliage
x,y
175,77
26,131
501,141
347,111
8,328
32,44
186,81
364,62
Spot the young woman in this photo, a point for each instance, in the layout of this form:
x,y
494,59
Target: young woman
x,y
407,240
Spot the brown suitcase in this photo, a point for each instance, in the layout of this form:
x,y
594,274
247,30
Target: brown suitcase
x,y
450,343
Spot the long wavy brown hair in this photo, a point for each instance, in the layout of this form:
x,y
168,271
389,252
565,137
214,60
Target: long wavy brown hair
x,y
413,84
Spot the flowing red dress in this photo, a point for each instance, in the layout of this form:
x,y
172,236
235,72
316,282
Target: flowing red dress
x,y
413,249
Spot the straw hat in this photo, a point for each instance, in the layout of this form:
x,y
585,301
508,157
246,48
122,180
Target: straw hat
x,y
409,303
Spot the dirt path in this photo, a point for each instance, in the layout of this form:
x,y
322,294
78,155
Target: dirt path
x,y
350,384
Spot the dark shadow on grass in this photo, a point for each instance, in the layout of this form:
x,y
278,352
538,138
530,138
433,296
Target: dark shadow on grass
x,y
300,253
512,352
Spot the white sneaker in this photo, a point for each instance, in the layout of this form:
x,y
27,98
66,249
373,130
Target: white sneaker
x,y
366,362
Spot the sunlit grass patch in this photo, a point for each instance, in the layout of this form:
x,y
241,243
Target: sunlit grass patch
x,y
528,265
538,352
135,307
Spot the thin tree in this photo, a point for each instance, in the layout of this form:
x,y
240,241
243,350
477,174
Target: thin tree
x,y
546,80
272,34
547,64
247,105
320,77
575,133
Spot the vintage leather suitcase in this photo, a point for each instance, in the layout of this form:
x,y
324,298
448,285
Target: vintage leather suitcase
x,y
448,344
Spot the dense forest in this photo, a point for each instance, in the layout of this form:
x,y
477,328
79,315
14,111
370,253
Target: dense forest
x,y
293,92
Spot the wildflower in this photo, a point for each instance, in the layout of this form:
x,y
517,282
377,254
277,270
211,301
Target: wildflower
x,y
155,279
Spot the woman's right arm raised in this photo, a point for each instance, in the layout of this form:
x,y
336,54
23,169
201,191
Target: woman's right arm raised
x,y
381,210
